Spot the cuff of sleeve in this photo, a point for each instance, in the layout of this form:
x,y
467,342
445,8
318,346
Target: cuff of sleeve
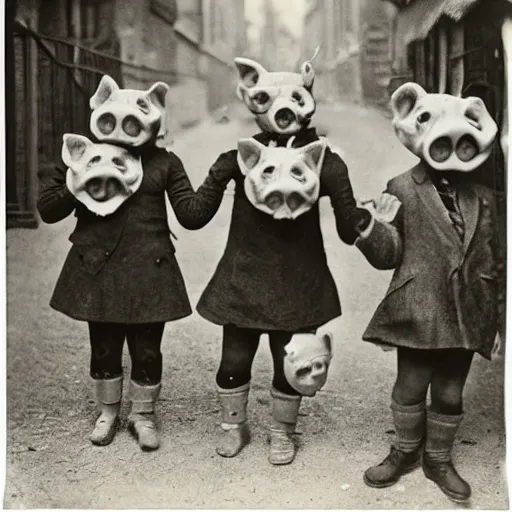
x,y
366,232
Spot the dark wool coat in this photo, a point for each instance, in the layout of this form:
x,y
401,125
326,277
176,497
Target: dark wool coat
x,y
445,293
122,268
273,274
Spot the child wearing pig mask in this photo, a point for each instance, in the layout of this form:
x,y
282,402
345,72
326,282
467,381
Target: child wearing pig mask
x,y
273,277
446,298
121,274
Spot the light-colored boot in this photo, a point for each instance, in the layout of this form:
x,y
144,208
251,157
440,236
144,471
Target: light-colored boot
x,y
285,411
235,431
141,420
108,395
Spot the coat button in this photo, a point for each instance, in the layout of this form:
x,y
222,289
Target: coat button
x,y
107,253
485,202
158,261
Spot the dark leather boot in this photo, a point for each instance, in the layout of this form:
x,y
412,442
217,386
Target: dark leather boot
x,y
437,462
405,454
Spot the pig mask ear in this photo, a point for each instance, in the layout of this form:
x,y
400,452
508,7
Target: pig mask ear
x,y
249,154
249,72
404,100
73,148
327,339
157,94
106,88
314,155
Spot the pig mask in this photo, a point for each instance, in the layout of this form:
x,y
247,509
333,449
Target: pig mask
x,y
448,133
127,116
282,102
100,176
307,361
283,182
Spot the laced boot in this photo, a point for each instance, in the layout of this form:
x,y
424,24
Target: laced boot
x,y
235,431
437,460
142,420
405,454
285,411
108,395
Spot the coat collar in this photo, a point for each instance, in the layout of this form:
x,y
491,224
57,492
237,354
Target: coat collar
x,y
302,138
468,204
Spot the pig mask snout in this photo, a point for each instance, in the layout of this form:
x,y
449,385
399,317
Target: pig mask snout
x,y
449,133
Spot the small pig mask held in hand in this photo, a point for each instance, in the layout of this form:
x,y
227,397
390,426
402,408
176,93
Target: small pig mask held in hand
x,y
306,362
448,133
128,116
100,176
282,102
283,182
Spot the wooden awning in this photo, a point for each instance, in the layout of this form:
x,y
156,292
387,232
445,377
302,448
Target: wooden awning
x,y
416,20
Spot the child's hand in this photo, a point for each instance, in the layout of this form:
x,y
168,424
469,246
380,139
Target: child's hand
x,y
385,210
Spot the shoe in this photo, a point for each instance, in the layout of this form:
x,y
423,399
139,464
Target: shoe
x,y
437,461
285,411
143,427
394,466
108,395
142,419
235,431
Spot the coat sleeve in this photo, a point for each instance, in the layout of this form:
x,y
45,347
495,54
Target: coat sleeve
x,y
55,202
382,246
500,255
194,209
335,181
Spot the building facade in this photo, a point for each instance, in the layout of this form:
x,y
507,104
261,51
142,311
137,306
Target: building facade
x,y
459,47
354,61
61,48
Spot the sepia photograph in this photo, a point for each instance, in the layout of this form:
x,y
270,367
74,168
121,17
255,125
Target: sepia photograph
x,y
256,254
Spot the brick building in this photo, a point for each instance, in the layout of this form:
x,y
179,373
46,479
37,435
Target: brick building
x,y
61,48
354,60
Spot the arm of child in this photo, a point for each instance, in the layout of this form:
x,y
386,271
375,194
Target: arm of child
x,y
350,220
55,202
194,209
381,242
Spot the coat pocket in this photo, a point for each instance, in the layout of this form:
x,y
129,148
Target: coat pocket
x,y
92,259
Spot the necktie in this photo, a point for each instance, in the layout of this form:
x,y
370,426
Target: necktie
x,y
448,196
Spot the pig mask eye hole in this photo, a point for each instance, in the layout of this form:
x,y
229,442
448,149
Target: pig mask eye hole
x,y
118,162
143,105
298,98
424,117
473,119
268,171
94,160
297,173
261,98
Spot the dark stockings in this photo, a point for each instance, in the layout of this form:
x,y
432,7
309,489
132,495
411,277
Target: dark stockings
x,y
144,340
445,371
239,346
